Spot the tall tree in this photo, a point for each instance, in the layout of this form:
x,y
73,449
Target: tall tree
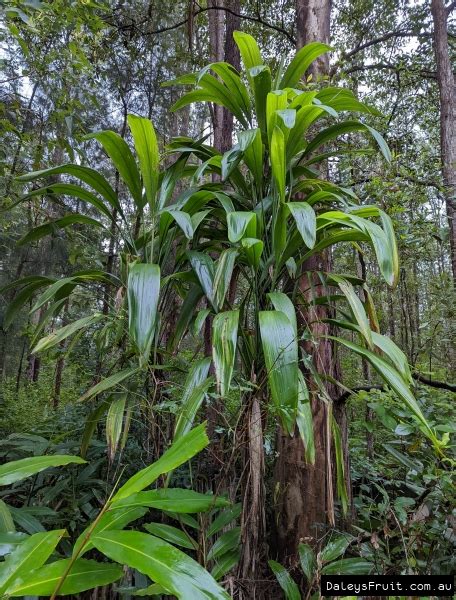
x,y
306,499
447,89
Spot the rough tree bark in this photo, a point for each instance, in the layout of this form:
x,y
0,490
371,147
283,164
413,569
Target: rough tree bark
x,y
216,48
447,89
305,502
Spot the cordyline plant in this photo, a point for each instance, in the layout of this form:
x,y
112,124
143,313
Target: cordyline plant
x,y
235,246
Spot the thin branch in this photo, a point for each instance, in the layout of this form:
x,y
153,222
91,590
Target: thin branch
x,y
441,385
201,10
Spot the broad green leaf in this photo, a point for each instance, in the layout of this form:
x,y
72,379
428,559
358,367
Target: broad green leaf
x,y
203,267
70,189
227,541
336,547
394,354
6,520
343,99
348,566
172,500
249,50
275,102
143,291
339,129
304,419
281,301
108,383
241,224
392,244
340,467
308,561
389,374
61,334
181,450
187,311
252,146
162,562
305,220
90,426
301,62
20,469
253,249
223,519
224,274
172,534
30,554
89,176
115,519
358,310
278,161
224,341
114,423
146,147
119,152
195,388
51,227
183,220
225,563
261,82
84,575
280,350
285,581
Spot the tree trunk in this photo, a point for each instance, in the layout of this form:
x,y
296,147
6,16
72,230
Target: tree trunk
x,y
447,89
232,56
305,498
216,42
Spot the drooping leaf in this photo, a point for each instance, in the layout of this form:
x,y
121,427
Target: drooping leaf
x,y
119,152
224,342
340,466
108,383
162,562
114,423
61,334
304,419
25,467
280,350
358,310
223,274
281,301
241,224
301,62
89,176
143,291
203,267
146,146
305,220
396,381
195,388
